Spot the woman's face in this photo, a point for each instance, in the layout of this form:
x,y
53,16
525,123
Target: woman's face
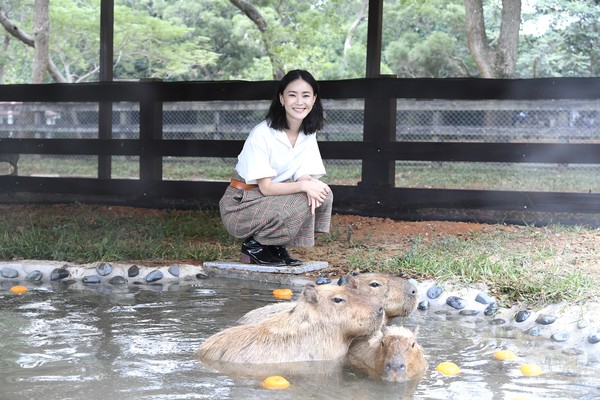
x,y
298,99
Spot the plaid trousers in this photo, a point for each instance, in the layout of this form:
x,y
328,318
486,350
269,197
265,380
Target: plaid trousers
x,y
273,220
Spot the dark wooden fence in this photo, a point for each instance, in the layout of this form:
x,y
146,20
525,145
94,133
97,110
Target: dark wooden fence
x,y
375,195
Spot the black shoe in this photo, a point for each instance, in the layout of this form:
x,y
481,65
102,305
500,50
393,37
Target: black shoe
x,y
281,252
255,253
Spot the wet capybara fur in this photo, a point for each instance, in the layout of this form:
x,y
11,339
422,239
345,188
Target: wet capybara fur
x,y
321,326
392,355
398,295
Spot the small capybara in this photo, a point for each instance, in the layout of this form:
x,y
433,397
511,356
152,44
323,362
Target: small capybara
x,y
321,326
398,295
393,354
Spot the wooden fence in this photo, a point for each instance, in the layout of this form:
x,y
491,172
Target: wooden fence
x,y
375,195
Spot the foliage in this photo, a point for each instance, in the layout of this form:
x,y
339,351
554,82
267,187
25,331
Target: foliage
x,y
213,40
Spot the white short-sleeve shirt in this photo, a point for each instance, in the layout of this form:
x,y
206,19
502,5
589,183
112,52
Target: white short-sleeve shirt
x,y
268,153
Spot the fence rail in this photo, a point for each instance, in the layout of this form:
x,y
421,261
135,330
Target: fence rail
x,y
399,120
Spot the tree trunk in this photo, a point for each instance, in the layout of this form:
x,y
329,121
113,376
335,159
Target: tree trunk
x,y
5,59
268,41
362,14
41,28
500,61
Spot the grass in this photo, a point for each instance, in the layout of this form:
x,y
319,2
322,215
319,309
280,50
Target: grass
x,y
446,175
520,267
529,265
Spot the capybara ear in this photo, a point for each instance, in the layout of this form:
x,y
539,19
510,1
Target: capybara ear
x,y
310,293
342,281
351,282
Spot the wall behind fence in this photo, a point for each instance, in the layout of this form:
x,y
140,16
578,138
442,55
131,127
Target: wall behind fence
x,y
456,149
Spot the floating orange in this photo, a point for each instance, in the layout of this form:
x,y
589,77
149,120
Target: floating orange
x,y
283,293
18,289
276,382
531,369
448,368
504,355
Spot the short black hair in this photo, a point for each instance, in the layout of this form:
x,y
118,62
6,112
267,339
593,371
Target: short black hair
x,y
313,122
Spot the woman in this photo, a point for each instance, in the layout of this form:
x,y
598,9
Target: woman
x,y
275,198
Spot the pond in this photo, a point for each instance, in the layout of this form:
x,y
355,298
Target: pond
x,y
61,341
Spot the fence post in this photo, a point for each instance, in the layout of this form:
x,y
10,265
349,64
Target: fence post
x,y
378,171
151,121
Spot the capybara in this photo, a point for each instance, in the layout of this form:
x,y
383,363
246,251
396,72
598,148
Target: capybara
x,y
393,354
321,326
398,295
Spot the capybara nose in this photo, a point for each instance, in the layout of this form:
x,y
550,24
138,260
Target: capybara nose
x,y
395,367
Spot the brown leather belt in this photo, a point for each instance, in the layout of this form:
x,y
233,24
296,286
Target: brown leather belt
x,y
242,185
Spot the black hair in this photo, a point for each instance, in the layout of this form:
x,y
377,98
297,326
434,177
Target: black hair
x,y
313,122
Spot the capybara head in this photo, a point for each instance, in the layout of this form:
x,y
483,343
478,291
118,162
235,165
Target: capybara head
x,y
398,295
399,357
355,313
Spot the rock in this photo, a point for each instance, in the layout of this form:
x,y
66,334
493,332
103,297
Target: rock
x,y
594,336
456,302
91,279
434,292
484,299
104,269
201,275
154,276
58,274
491,309
174,270
497,321
323,280
534,331
572,352
423,305
545,319
133,271
9,273
560,336
34,276
583,323
468,313
117,280
522,315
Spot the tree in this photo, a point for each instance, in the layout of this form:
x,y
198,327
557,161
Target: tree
x,y
167,51
560,39
41,33
494,59
425,38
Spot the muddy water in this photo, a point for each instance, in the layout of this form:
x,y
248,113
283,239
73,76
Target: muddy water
x,y
138,342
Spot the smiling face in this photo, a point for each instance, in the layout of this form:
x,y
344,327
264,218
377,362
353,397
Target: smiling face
x,y
298,99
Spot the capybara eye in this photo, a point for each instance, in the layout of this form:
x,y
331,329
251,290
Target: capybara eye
x,y
338,300
375,284
413,345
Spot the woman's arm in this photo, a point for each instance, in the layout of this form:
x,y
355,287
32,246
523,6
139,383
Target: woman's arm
x,y
315,190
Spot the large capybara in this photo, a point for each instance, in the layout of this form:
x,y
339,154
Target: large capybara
x,y
321,326
398,295
392,355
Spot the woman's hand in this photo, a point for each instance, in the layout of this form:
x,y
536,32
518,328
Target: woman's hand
x,y
316,191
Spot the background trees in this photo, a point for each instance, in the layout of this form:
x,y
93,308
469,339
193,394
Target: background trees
x,y
239,39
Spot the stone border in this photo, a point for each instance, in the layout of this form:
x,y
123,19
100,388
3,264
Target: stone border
x,y
575,327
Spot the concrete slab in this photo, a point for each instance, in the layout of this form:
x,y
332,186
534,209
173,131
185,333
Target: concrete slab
x,y
306,266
